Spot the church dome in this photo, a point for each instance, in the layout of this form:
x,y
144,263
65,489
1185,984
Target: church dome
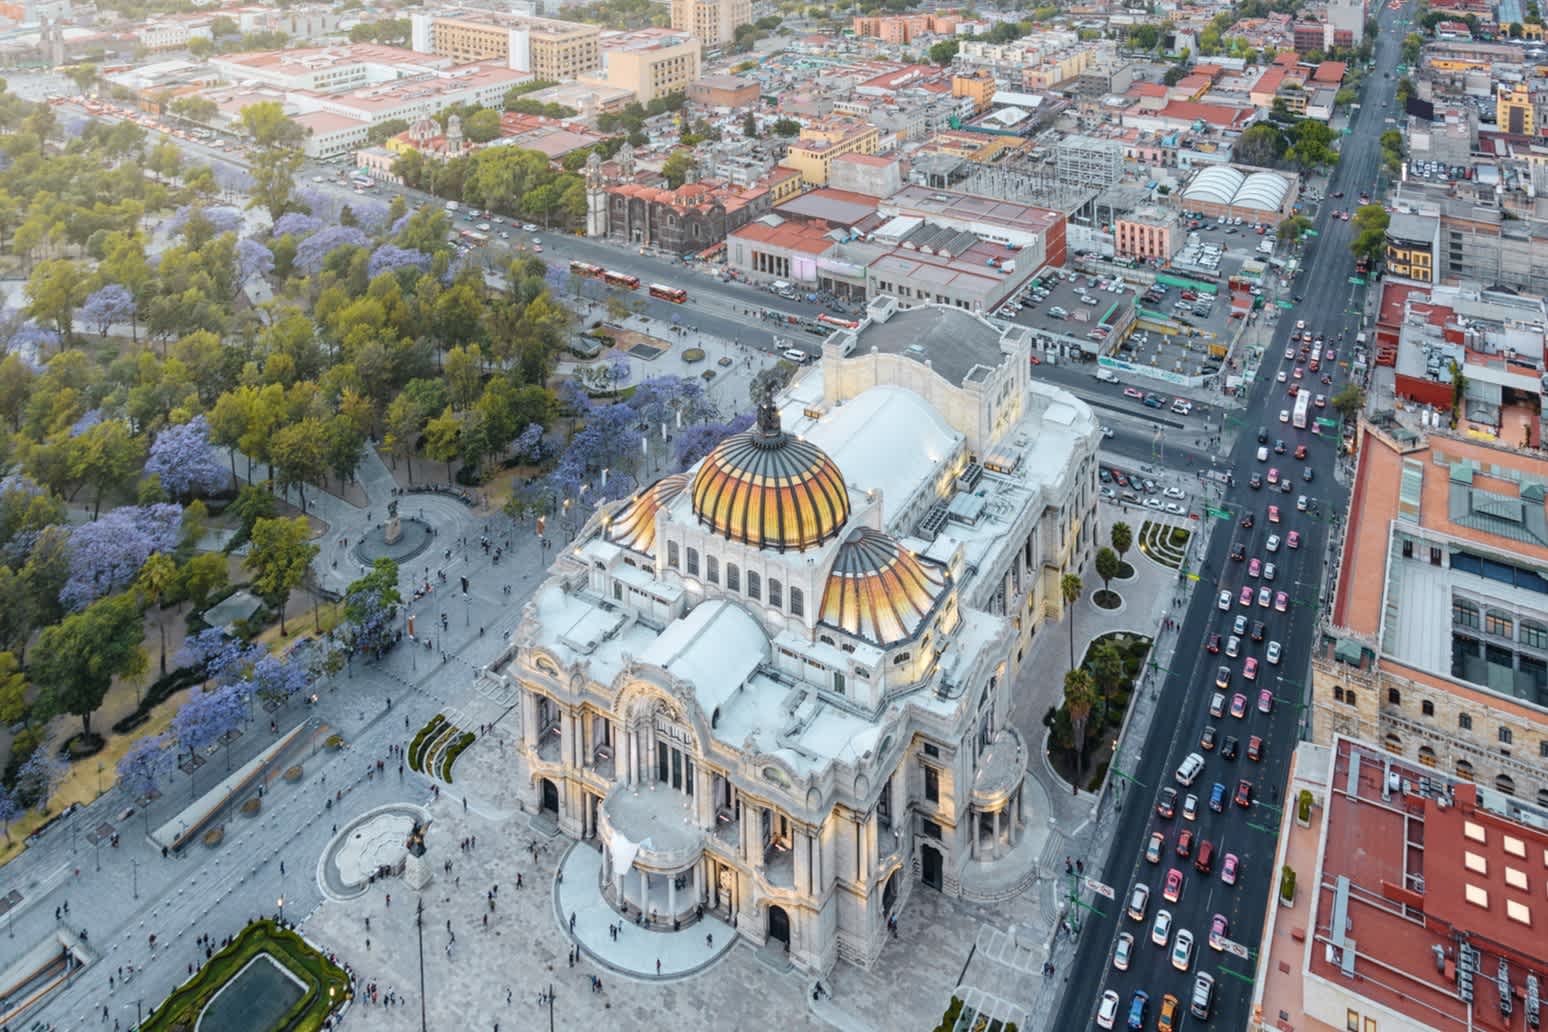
x,y
879,591
767,489
634,525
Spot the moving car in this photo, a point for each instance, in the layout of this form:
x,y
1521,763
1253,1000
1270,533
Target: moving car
x,y
1272,544
1225,600
1190,807
1166,805
1161,928
1246,596
1265,701
1189,769
1219,928
1239,705
1172,891
1207,739
1212,643
1264,597
1243,794
1107,1010
1217,705
1217,798
1182,950
1154,846
1185,843
1228,748
1250,669
1273,653
1255,748
1281,601
1166,1021
1139,1008
1294,539
1124,951
1222,677
1139,900
1228,869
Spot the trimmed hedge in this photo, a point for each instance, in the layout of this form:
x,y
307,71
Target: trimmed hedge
x,y
159,691
1287,884
181,1010
418,743
451,752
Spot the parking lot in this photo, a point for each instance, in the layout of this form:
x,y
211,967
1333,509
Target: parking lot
x,y
1127,484
1071,304
1202,322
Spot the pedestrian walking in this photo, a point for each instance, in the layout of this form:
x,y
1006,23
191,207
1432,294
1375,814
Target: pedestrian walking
x,y
658,966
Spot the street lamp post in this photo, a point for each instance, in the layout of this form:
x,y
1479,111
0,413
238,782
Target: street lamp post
x,y
281,904
419,928
135,866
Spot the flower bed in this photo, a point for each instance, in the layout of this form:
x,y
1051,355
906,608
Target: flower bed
x,y
450,754
423,736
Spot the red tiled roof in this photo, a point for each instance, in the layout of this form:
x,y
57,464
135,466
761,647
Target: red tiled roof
x,y
1195,111
1330,72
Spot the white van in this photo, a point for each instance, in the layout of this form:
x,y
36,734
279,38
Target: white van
x,y
795,355
1190,769
1107,376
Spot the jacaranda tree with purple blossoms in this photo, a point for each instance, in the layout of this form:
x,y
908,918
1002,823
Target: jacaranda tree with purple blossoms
x,y
186,462
106,554
390,257
371,608
253,259
221,656
297,224
145,768
209,717
106,306
37,778
314,250
277,680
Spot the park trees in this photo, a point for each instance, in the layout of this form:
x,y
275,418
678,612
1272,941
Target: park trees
x,y
1069,590
679,165
156,582
275,157
183,458
1370,238
279,559
1079,698
371,606
106,555
77,659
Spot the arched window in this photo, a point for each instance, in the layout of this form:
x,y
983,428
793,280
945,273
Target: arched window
x,y
1464,770
733,577
1393,744
1506,784
1506,735
776,594
1394,697
1427,708
1499,624
754,589
1542,797
1426,756
1464,722
693,562
673,558
797,602
712,569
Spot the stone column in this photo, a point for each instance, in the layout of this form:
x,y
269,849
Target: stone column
x,y
817,861
618,884
997,814
672,897
803,864
972,823
583,721
529,728
567,739
626,746
645,892
703,791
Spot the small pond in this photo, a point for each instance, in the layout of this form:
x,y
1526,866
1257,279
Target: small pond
x,y
254,1000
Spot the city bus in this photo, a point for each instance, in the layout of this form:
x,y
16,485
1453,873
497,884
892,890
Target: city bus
x,y
676,295
586,269
620,279
833,320
1302,409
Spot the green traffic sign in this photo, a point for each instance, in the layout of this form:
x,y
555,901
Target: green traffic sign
x,y
1357,281
1282,303
1312,232
1219,514
1326,423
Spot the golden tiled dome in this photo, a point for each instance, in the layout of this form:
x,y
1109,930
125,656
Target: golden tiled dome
x,y
879,591
767,489
634,525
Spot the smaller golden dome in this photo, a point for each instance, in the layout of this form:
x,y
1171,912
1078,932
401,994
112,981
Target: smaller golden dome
x,y
879,591
634,525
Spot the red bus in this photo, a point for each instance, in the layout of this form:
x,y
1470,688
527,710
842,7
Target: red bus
x,y
676,295
586,269
620,279
833,320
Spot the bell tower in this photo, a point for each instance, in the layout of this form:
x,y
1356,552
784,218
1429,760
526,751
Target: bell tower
x,y
596,197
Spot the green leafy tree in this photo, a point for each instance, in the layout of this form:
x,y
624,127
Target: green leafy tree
x,y
1370,225
405,421
55,289
300,456
678,166
157,580
786,127
1348,401
77,658
944,52
1107,566
1106,666
279,559
107,457
275,158
441,438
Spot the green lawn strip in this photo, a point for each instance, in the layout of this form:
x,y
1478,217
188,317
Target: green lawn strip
x,y
179,1011
430,760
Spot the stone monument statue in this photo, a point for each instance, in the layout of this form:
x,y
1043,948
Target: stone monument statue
x,y
394,526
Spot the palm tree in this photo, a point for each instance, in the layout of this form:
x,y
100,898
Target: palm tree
x,y
1069,587
1106,665
1122,538
156,580
1079,695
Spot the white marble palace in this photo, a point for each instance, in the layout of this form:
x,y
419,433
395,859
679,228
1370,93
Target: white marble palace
x,y
777,686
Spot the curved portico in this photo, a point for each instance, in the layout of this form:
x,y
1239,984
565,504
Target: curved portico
x,y
651,846
997,815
